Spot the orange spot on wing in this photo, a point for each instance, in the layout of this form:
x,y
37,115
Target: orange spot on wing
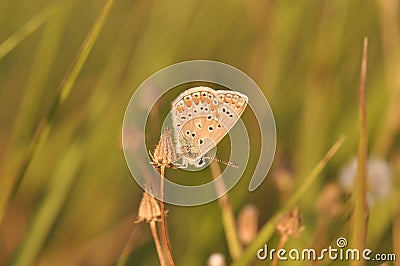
x,y
235,98
228,98
210,97
240,103
188,103
203,98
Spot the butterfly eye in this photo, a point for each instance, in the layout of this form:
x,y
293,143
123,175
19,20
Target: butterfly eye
x,y
201,141
209,117
231,115
211,128
187,132
193,134
223,110
183,117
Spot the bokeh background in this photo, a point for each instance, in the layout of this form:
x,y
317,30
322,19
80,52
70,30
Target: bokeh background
x,y
77,201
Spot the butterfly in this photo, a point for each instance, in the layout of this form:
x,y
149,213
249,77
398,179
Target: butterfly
x,y
201,117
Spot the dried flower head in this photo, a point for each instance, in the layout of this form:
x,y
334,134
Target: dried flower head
x,y
149,209
164,154
290,223
216,259
378,179
329,202
248,224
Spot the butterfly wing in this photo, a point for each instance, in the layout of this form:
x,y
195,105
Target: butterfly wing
x,y
202,117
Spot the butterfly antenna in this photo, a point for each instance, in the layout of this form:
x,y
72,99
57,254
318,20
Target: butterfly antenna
x,y
232,164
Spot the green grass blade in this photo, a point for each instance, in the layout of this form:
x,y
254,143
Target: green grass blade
x,y
31,26
268,229
63,91
49,209
40,72
360,214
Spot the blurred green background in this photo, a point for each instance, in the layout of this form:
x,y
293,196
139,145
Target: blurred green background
x,y
77,201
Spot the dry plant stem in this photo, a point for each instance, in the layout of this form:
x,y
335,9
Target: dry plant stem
x,y
396,236
360,214
396,210
63,91
228,218
281,243
123,257
320,232
268,229
153,229
163,227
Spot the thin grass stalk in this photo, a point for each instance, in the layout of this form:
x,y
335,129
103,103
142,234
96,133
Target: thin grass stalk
x,y
31,26
268,229
45,56
390,130
124,255
391,54
49,208
163,226
63,91
228,217
360,214
153,229
396,208
280,245
396,229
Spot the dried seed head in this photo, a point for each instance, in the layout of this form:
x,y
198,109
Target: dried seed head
x,y
164,153
290,223
149,209
248,224
329,202
216,259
